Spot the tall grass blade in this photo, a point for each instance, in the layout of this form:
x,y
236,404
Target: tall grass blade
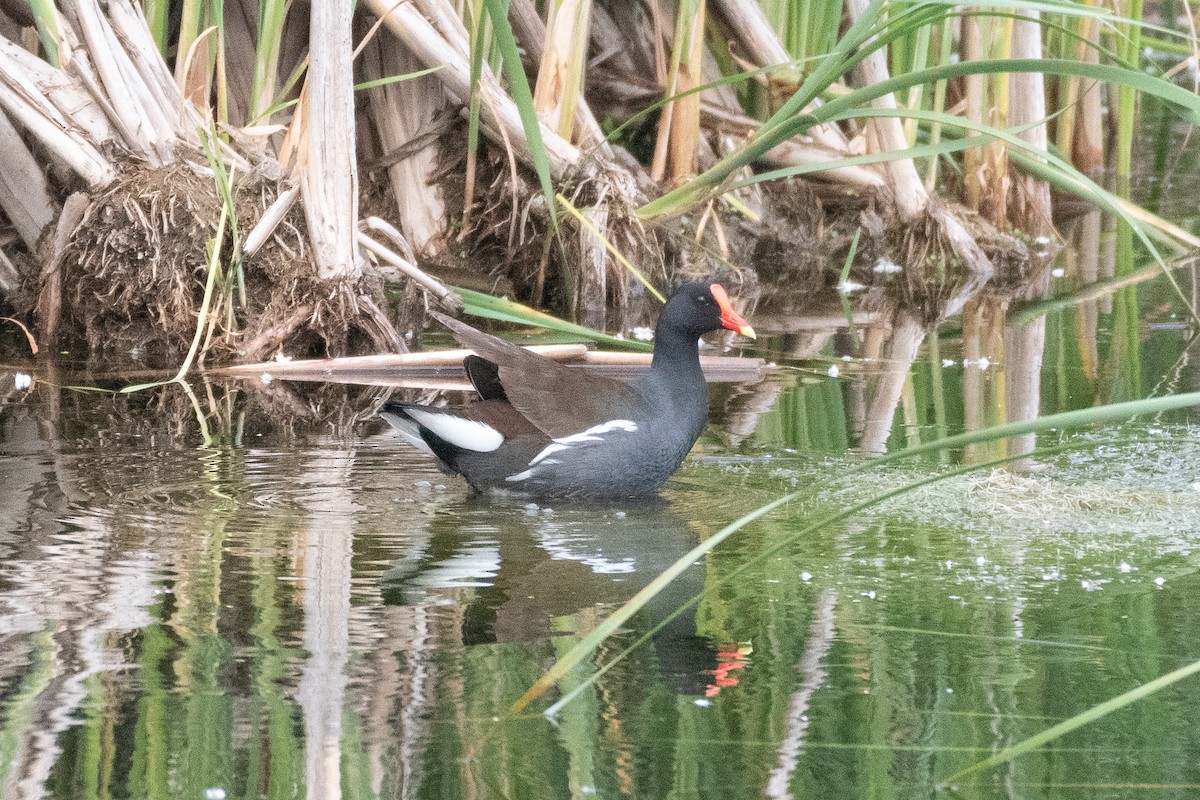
x,y
214,264
1078,721
484,305
407,76
271,17
523,97
783,126
158,18
478,44
45,17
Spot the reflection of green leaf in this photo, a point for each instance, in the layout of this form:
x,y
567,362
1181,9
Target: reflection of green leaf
x,y
18,711
149,774
276,759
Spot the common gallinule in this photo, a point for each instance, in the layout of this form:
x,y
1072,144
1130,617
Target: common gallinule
x,y
548,430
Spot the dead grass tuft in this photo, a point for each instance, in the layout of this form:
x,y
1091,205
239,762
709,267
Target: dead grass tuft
x,y
137,265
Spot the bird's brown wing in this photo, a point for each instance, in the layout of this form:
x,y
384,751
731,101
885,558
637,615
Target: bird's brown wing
x,y
558,400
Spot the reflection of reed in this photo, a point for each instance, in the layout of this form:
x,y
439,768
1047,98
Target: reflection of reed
x,y
886,390
400,701
1024,346
1086,247
745,407
71,581
812,677
983,345
327,548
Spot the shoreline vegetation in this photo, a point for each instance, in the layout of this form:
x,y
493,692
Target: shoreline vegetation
x,y
224,181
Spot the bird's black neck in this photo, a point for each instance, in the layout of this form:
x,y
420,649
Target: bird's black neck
x,y
675,368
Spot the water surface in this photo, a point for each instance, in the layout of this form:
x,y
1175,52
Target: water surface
x,y
253,607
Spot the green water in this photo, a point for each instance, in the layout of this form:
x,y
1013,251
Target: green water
x,y
251,608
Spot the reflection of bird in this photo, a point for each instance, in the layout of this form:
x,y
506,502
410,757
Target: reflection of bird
x,y
546,429
535,573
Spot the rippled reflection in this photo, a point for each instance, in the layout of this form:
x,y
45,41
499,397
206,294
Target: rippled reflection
x,y
255,611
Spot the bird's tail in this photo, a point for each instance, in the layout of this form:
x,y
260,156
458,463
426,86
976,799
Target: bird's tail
x,y
396,416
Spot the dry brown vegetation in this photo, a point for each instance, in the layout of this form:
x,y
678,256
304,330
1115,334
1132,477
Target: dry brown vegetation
x,y
125,128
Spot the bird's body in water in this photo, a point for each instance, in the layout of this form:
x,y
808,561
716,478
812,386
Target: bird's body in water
x,y
545,429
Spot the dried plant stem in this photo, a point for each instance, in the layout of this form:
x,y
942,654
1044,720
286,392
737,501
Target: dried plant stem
x,y
432,47
753,30
60,134
560,75
435,287
10,279
270,220
329,178
403,113
531,33
1030,210
907,187
24,195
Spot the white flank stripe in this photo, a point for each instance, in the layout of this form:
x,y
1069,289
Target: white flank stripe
x,y
520,476
592,434
596,432
469,434
552,448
